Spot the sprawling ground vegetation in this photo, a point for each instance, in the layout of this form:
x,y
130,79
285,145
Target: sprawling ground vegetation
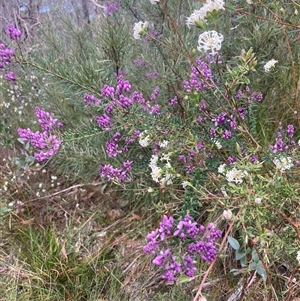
x,y
150,150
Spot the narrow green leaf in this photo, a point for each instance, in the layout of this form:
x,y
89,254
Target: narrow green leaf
x,y
184,279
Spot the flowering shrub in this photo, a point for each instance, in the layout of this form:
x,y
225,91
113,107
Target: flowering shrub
x,y
186,122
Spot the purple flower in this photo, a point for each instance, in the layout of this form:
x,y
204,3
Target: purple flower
x,y
122,85
173,102
91,100
111,7
10,76
188,266
155,93
201,77
166,226
112,148
200,146
49,144
290,131
45,142
253,159
159,259
104,122
45,119
119,174
124,102
108,91
221,119
230,160
187,228
13,32
227,135
155,110
6,54
213,133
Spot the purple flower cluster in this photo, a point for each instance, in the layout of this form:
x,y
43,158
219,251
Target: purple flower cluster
x,y
6,55
13,32
111,7
254,96
155,93
284,140
201,77
90,100
112,146
119,174
104,122
173,102
120,97
191,160
46,143
46,121
196,240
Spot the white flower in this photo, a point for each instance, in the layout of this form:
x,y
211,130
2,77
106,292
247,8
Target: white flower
x,y
249,1
283,163
235,175
227,214
167,179
185,184
165,157
298,256
164,143
210,40
153,160
156,173
139,28
214,5
217,143
144,140
257,201
197,16
154,1
270,64
221,168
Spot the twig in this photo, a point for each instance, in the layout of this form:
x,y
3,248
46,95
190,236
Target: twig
x,y
65,190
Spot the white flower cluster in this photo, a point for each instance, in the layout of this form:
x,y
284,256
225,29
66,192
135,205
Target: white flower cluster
x,y
154,1
158,174
269,65
235,175
221,168
164,144
144,140
200,15
283,163
217,143
210,41
139,28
